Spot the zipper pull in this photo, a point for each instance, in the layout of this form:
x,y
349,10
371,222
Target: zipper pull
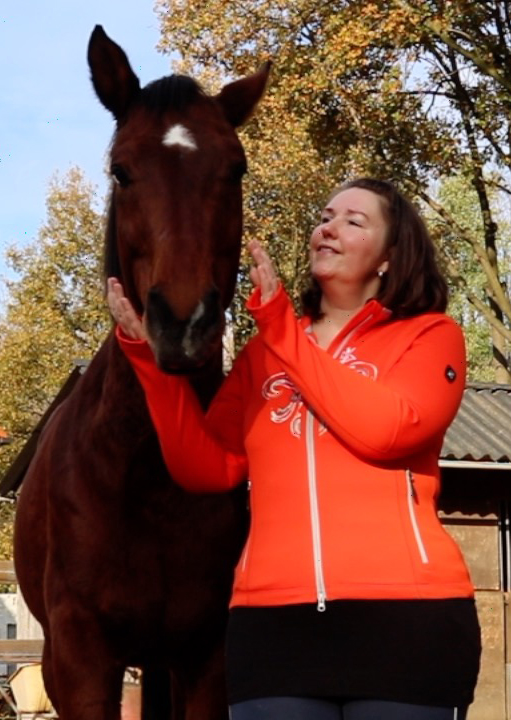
x,y
321,602
411,483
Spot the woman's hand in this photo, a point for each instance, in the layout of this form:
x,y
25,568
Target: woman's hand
x,y
263,273
123,312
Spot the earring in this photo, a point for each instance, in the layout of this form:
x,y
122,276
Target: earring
x,y
381,273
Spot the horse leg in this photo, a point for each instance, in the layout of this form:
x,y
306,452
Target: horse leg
x,y
205,693
156,694
47,669
87,677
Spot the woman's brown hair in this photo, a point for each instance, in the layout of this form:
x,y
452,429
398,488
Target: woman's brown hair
x,y
413,284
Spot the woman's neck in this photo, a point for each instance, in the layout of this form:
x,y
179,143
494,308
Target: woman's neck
x,y
337,313
332,322
338,295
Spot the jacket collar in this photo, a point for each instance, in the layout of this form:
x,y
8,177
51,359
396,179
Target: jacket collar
x,y
371,314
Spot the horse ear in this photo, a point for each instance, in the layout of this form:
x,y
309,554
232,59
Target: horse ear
x,y
114,81
239,98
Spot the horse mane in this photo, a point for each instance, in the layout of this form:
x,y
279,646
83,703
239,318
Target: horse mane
x,y
173,92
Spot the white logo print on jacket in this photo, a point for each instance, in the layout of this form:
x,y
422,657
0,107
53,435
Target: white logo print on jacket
x,y
277,384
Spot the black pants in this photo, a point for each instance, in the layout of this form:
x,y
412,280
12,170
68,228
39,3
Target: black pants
x,y
294,708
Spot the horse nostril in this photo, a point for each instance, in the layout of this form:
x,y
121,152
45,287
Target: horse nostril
x,y
154,294
212,298
159,312
182,345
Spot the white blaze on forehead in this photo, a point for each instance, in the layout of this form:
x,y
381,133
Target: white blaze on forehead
x,y
179,135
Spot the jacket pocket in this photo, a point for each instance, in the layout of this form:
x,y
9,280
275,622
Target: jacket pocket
x,y
412,502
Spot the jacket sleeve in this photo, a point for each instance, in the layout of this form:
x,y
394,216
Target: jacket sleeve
x,y
203,453
390,418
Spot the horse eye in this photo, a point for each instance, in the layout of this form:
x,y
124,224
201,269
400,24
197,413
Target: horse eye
x,y
119,175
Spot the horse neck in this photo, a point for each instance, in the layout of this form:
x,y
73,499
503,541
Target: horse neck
x,y
122,387
120,394
207,381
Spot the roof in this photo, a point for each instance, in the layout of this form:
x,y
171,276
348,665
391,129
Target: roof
x,y
5,439
481,430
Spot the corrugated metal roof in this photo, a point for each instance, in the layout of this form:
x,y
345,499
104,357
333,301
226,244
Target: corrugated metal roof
x,y
482,428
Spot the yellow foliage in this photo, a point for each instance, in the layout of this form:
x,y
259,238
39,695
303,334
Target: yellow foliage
x,y
55,315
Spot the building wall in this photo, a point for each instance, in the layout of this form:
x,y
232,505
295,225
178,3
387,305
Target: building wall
x,y
8,624
28,627
471,511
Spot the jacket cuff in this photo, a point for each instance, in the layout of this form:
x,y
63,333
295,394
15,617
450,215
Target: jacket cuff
x,y
133,348
267,312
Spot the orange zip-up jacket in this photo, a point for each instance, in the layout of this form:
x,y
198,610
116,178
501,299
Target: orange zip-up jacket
x,y
341,447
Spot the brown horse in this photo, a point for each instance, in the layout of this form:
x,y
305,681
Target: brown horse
x,y
120,566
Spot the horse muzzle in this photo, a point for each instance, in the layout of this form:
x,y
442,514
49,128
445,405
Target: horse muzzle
x,y
182,346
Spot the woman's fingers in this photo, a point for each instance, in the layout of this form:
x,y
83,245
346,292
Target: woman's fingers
x,y
114,291
122,311
254,276
263,273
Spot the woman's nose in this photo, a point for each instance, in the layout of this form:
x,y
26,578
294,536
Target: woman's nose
x,y
326,230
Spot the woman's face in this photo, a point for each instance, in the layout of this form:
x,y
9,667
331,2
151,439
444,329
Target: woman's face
x,y
349,245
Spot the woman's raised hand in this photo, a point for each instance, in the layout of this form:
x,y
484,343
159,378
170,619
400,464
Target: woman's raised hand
x,y
263,273
122,311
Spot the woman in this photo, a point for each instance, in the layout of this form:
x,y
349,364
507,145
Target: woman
x,y
350,600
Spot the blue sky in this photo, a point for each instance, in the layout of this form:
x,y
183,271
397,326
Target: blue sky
x,y
50,119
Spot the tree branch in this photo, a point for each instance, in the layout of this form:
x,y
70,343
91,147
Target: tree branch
x,y
508,16
498,186
438,31
476,301
495,286
451,76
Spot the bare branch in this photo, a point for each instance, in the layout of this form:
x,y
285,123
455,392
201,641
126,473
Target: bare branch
x,y
498,186
476,301
499,25
452,76
508,16
496,289
438,31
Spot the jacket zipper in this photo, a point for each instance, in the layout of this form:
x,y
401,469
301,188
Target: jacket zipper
x,y
412,499
314,509
245,549
313,492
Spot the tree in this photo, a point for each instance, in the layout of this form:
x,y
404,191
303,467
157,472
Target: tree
x,y
459,199
468,44
56,311
414,91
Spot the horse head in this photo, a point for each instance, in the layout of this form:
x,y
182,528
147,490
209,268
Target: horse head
x,y
175,218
